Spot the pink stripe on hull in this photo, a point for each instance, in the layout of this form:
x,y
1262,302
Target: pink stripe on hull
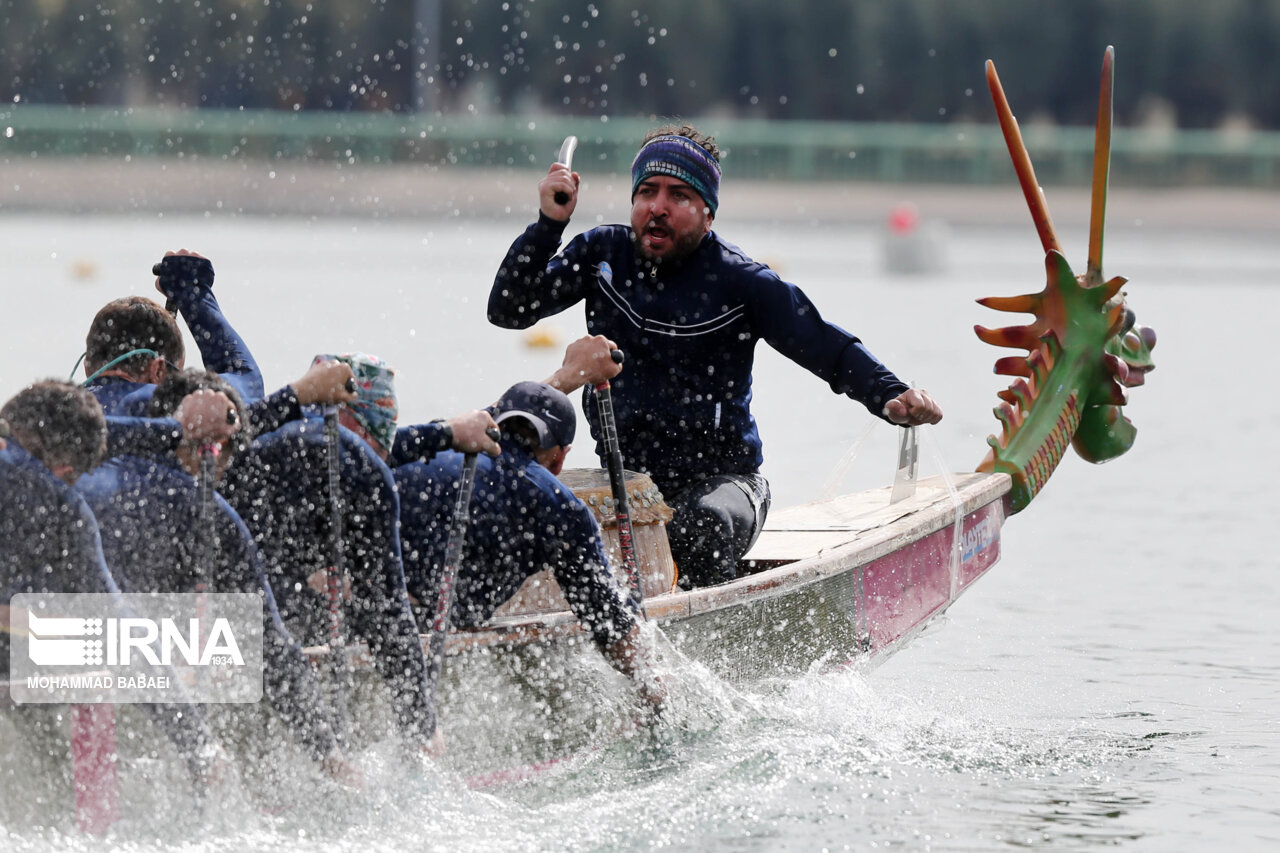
x,y
93,763
905,588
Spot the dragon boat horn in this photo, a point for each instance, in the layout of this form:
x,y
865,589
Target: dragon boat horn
x,y
1084,349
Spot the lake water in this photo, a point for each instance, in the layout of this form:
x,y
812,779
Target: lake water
x,y
1114,683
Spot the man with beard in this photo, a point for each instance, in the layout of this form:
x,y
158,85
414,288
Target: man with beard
x,y
688,308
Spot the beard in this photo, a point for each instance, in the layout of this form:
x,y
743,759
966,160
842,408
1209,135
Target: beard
x,y
679,246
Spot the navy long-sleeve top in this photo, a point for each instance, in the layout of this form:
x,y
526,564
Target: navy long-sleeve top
x,y
222,350
157,537
280,486
48,536
689,330
49,543
130,429
522,521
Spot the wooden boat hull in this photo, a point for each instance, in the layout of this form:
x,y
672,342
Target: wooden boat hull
x,y
845,580
836,580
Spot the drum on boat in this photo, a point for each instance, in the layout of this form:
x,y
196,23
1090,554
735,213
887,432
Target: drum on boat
x,y
649,517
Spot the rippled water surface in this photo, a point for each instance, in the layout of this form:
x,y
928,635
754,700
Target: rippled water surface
x,y
1113,683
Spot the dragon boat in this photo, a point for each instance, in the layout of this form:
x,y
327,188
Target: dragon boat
x,y
853,578
850,578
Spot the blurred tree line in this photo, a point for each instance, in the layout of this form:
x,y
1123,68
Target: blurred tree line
x,y
1183,62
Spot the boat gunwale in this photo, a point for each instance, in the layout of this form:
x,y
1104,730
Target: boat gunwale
x,y
865,544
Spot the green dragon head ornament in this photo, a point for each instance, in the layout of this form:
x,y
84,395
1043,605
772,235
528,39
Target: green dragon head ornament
x,y
1083,348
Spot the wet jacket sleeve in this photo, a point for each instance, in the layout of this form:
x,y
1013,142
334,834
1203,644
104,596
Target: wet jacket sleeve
x,y
188,283
274,411
788,320
289,682
533,282
581,569
420,442
141,436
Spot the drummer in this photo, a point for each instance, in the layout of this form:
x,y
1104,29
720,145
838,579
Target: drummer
x,y
689,309
522,519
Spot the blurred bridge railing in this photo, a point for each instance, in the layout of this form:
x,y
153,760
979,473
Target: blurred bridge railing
x,y
817,151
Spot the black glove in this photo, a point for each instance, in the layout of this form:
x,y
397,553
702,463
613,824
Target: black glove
x,y
177,272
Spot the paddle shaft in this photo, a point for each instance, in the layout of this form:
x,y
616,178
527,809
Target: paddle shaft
x,y
208,461
618,485
335,570
449,572
565,156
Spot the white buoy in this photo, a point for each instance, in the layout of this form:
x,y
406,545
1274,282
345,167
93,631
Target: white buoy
x,y
914,246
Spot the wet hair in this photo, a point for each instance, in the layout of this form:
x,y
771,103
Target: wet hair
x,y
130,323
58,423
170,393
704,141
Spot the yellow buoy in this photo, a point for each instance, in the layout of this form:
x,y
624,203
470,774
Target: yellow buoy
x,y
84,269
541,337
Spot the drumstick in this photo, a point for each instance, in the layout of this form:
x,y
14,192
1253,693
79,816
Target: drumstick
x,y
566,157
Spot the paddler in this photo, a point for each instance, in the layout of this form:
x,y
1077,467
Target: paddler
x,y
688,308
133,343
49,539
158,537
279,486
522,519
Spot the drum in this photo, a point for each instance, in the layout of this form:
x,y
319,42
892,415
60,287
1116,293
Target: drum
x,y
649,516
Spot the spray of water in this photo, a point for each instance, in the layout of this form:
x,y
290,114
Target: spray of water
x,y
802,759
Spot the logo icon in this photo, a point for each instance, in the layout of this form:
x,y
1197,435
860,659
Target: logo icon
x,y
61,641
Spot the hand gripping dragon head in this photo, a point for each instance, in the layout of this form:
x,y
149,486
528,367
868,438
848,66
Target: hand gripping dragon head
x,y
1083,348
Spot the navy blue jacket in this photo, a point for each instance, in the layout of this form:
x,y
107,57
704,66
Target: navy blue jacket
x,y
126,403
279,485
221,350
522,520
49,543
689,330
48,536
155,540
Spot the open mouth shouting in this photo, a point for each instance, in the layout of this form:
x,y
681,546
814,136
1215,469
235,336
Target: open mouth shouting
x,y
657,236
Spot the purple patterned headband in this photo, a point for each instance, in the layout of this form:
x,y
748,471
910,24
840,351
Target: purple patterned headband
x,y
683,159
